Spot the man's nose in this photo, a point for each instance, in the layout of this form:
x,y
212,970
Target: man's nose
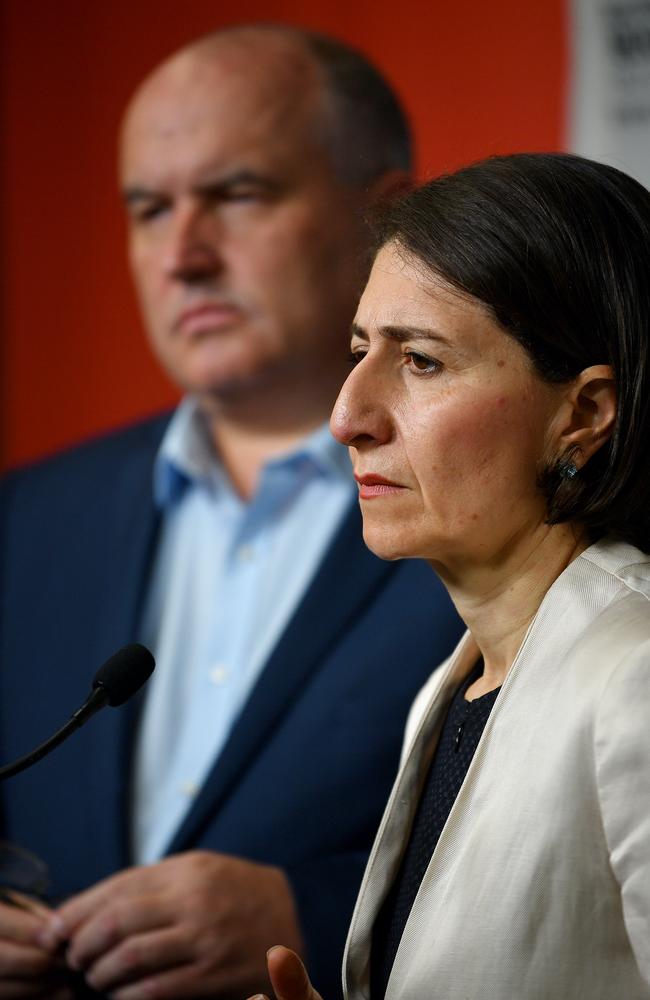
x,y
192,251
361,413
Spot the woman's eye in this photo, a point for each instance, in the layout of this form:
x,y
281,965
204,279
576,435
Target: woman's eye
x,y
354,357
422,363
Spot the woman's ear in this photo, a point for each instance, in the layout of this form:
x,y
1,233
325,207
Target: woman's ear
x,y
588,415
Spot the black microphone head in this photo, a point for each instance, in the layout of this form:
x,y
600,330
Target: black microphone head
x,y
124,673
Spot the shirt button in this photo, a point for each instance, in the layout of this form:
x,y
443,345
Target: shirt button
x,y
219,674
189,789
245,553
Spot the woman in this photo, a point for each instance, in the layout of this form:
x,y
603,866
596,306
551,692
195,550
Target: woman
x,y
498,421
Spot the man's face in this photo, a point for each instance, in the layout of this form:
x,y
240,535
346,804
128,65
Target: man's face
x,y
243,242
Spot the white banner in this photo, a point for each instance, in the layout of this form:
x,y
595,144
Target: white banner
x,y
609,112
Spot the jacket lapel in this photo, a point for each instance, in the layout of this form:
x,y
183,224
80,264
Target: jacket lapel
x,y
110,736
347,577
395,827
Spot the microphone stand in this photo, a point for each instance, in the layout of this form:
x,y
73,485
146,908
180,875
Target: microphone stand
x,y
95,700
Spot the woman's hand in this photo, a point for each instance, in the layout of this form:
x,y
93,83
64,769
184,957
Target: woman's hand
x,y
288,976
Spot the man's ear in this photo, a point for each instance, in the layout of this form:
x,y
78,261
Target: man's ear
x,y
389,185
589,414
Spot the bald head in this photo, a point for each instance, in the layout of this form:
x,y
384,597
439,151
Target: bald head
x,y
267,76
345,104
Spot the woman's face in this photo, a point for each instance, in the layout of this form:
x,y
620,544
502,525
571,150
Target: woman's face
x,y
446,421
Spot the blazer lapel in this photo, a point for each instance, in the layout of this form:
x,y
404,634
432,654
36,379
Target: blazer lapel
x,y
106,766
387,851
347,577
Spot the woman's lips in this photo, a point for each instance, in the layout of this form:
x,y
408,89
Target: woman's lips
x,y
371,486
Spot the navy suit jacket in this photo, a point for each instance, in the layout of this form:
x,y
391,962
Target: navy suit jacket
x,y
303,778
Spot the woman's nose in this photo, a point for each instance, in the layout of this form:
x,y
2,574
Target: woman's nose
x,y
361,413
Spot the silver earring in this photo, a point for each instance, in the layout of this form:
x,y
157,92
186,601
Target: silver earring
x,y
568,470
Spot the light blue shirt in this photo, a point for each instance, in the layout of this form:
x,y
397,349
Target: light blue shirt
x,y
227,578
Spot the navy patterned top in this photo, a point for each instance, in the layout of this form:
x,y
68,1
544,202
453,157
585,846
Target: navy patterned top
x,y
459,738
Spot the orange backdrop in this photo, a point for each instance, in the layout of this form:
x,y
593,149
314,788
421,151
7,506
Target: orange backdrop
x,y
477,77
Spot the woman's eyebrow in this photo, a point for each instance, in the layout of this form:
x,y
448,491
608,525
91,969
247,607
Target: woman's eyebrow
x,y
402,333
358,332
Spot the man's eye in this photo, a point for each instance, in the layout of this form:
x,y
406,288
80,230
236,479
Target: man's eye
x,y
421,363
354,357
148,212
241,194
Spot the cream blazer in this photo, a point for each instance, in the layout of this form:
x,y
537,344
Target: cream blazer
x,y
539,887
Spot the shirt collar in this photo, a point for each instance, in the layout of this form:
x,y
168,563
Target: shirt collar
x,y
322,451
186,455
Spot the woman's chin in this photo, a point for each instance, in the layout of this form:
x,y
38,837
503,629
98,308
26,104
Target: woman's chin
x,y
387,546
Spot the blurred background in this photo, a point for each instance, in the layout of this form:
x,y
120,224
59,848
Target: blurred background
x,y
477,78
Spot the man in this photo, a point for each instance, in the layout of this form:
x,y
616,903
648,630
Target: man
x,y
269,736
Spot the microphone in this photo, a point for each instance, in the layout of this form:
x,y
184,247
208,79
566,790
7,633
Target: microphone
x,y
115,682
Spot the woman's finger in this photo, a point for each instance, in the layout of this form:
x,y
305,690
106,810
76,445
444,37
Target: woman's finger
x,y
288,975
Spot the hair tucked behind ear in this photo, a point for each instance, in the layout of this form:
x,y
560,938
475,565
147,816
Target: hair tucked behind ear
x,y
558,247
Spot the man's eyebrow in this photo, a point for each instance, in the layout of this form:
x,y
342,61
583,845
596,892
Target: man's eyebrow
x,y
402,333
226,181
210,186
242,176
